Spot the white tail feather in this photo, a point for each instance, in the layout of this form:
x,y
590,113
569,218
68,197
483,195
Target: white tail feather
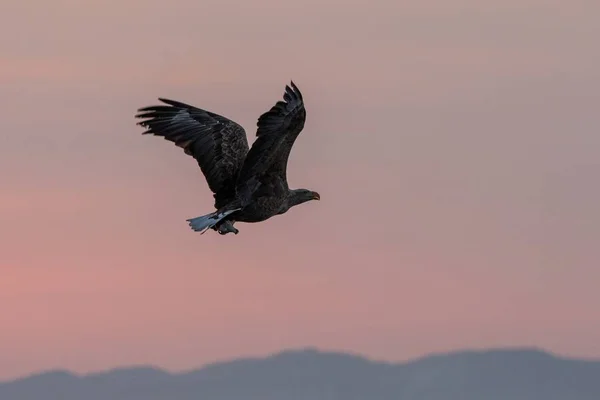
x,y
206,222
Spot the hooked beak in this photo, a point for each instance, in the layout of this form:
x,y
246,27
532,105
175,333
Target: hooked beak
x,y
316,196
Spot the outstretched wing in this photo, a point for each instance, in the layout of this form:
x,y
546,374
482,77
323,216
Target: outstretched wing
x,y
277,131
218,144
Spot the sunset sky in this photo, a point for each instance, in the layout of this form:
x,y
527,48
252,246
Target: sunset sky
x,y
455,145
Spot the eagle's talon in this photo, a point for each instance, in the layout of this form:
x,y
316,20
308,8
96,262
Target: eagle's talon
x,y
227,227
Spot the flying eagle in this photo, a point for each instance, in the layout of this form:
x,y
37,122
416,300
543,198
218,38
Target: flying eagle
x,y
248,184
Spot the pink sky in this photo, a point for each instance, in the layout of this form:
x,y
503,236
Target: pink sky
x,y
454,144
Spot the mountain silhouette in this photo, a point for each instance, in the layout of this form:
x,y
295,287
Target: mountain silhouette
x,y
515,374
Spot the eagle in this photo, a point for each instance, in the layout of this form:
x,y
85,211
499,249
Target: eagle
x,y
248,184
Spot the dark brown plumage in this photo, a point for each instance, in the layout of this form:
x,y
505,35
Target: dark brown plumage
x,y
249,184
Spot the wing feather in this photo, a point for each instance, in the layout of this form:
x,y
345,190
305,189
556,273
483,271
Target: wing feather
x,y
277,131
218,144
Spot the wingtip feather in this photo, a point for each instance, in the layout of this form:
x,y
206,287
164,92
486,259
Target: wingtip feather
x,y
295,90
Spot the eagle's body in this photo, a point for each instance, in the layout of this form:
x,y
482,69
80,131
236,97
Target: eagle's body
x,y
249,184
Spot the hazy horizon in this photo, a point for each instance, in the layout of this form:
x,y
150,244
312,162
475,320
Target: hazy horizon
x,y
308,350
454,144
310,373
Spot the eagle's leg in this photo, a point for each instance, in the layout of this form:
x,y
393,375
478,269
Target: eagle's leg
x,y
227,227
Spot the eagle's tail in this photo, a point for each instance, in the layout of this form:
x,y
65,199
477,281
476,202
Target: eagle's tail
x,y
208,221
